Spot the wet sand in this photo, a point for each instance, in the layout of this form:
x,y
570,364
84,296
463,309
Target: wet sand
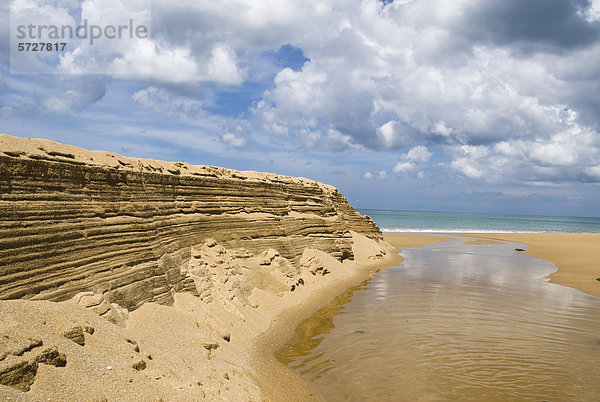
x,y
455,321
400,241
284,327
576,255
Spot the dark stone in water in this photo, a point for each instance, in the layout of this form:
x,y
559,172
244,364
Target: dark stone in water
x,y
359,331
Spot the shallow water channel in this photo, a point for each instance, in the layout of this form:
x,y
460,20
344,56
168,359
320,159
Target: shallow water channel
x,y
454,322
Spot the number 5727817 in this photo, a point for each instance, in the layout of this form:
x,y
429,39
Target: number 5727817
x,y
41,46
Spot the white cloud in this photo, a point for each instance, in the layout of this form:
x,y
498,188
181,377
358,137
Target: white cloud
x,y
393,135
382,174
570,155
151,60
329,140
554,154
594,171
222,67
593,13
125,54
419,154
404,167
233,140
469,168
441,129
413,161
160,57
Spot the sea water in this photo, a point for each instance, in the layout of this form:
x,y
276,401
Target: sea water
x,y
454,321
456,222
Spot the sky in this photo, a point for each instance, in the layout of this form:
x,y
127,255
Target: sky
x,y
439,105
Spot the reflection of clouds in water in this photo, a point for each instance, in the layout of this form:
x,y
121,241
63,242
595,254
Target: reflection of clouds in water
x,y
455,316
381,289
460,264
452,277
453,263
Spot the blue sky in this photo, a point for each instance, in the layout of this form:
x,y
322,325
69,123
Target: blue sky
x,y
448,105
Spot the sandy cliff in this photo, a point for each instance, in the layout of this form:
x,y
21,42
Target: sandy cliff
x,y
180,257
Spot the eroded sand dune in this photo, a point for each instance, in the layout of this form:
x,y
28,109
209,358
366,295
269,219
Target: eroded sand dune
x,y
125,245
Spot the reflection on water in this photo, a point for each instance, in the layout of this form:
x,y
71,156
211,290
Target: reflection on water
x,y
454,322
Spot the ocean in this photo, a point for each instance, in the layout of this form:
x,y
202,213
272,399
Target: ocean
x,y
461,222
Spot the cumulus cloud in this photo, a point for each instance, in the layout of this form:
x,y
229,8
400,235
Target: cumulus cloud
x,y
413,162
168,55
397,75
476,94
404,167
569,155
592,14
419,154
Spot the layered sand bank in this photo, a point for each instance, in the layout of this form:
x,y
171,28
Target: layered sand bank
x,y
576,255
133,279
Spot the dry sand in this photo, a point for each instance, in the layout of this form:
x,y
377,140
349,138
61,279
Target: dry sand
x,y
576,255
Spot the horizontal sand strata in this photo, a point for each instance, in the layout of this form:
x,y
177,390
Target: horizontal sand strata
x,y
73,220
191,262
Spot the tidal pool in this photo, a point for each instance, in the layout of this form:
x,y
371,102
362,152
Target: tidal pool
x,y
454,322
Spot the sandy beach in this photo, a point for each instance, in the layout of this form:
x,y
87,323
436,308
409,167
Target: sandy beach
x,y
576,255
189,189
137,279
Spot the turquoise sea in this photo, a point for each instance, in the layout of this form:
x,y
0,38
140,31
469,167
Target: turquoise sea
x,y
461,222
